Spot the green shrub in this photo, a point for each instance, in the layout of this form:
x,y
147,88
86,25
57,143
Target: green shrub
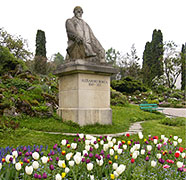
x,y
154,101
118,98
128,85
179,121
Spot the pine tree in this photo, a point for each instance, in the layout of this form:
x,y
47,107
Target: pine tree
x,y
153,58
183,67
40,65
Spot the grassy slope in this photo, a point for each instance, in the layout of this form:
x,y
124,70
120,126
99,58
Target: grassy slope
x,y
28,134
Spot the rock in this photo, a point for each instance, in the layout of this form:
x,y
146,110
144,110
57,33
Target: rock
x,y
10,112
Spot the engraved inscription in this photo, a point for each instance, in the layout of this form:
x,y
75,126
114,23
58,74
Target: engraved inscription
x,y
94,82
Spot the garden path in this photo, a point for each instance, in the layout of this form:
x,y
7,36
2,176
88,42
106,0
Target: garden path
x,y
175,112
134,129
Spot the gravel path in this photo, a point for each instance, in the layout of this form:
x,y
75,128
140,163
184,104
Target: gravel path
x,y
177,112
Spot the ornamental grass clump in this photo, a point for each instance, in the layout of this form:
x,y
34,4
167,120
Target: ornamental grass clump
x,y
97,158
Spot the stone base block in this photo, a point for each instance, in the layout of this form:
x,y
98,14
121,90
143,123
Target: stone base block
x,y
85,116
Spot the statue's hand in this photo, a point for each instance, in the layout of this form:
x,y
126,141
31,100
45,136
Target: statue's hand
x,y
79,40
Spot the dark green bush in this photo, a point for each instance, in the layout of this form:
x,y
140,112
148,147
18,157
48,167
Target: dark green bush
x,y
118,98
128,85
179,121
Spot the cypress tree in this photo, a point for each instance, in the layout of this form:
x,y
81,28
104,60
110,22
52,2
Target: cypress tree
x,y
40,65
153,58
183,67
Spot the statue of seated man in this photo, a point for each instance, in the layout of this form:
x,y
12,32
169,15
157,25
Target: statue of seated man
x,y
82,44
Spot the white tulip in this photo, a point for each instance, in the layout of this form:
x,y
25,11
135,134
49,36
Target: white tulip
x,y
87,142
162,136
110,144
119,151
179,140
89,166
35,155
91,177
99,162
74,145
137,146
124,146
71,163
120,169
153,163
87,147
44,159
183,155
101,142
132,149
142,151
58,177
67,170
64,142
17,166
114,140
158,155
1,166
175,137
77,159
68,156
15,154
175,143
29,170
105,147
7,158
35,165
89,136
115,147
149,147
116,174
81,136
140,135
96,146
85,152
111,152
109,138
60,163
134,155
115,166
179,164
155,141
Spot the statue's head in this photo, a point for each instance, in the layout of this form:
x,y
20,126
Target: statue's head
x,y
78,11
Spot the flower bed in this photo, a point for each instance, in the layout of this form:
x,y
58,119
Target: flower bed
x,y
91,158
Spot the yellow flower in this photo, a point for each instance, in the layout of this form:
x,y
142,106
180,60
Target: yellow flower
x,y
145,139
128,142
63,165
112,176
116,157
63,174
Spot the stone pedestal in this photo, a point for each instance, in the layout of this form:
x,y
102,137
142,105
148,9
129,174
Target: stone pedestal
x,y
84,92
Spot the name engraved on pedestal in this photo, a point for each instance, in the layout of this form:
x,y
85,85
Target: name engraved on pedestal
x,y
95,82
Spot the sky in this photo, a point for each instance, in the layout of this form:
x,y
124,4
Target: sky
x,y
115,23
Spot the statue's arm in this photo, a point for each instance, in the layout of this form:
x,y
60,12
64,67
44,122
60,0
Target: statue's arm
x,y
71,32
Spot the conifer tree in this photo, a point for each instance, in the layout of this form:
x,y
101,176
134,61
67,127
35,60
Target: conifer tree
x,y
153,58
183,67
40,65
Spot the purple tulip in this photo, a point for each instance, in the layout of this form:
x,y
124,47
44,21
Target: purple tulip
x,y
147,158
52,153
99,157
75,139
91,149
55,146
85,154
83,160
149,153
90,155
51,167
36,175
102,152
25,160
20,153
37,150
27,154
57,158
39,176
96,155
108,156
87,161
44,175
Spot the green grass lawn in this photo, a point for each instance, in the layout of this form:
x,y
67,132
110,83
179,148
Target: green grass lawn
x,y
32,130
